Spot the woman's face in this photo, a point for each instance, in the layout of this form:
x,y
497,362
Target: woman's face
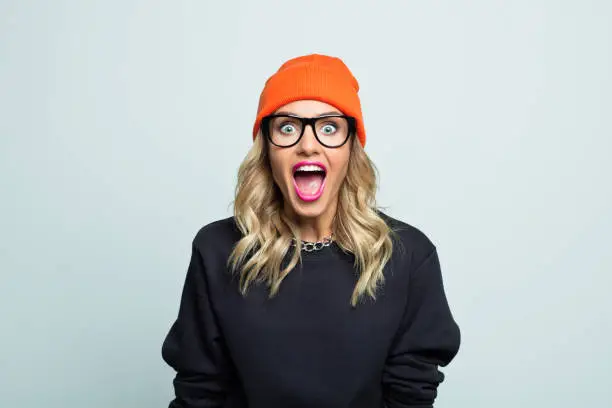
x,y
309,174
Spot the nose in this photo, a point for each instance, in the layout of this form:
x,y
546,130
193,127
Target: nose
x,y
308,143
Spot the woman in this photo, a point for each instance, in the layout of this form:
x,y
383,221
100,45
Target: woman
x,y
309,296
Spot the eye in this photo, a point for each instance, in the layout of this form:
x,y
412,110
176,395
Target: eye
x,y
329,129
287,128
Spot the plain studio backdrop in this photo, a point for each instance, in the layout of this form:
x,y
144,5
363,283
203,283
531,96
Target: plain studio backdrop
x,y
123,123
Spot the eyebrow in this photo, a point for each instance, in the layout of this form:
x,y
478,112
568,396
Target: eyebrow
x,y
319,115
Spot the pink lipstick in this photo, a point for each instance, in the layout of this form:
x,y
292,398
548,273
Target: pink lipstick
x,y
309,180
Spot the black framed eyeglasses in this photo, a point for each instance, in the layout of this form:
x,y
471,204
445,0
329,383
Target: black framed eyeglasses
x,y
286,130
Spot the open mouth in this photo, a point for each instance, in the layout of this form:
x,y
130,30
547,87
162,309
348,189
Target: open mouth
x,y
309,180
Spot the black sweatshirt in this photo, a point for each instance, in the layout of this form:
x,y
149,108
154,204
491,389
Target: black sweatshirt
x,y
307,346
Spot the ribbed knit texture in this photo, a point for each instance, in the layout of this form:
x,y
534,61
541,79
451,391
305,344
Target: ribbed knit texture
x,y
317,77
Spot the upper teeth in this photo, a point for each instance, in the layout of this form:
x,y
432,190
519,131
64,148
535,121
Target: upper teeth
x,y
310,167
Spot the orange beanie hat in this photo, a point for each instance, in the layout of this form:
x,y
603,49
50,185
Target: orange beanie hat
x,y
319,77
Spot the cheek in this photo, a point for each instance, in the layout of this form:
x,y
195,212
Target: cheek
x,y
340,163
276,165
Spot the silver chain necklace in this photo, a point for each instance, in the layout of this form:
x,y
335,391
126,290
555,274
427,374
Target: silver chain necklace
x,y
308,246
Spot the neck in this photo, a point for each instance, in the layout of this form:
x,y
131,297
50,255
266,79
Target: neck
x,y
316,228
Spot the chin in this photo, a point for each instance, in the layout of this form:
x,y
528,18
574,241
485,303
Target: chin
x,y
308,210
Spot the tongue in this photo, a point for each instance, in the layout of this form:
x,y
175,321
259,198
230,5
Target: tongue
x,y
308,183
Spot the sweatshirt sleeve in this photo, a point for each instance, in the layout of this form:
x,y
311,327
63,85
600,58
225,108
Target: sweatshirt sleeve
x,y
194,346
428,338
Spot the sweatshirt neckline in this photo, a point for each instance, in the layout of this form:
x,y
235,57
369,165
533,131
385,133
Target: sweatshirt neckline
x,y
329,253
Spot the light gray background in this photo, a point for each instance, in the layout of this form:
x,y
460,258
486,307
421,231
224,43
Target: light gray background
x,y
122,125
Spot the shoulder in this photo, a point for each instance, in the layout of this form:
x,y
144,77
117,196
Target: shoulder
x,y
220,234
409,240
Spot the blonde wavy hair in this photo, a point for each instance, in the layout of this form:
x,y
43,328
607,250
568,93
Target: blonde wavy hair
x,y
267,232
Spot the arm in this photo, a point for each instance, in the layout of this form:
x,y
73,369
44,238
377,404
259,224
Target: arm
x,y
194,346
428,338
